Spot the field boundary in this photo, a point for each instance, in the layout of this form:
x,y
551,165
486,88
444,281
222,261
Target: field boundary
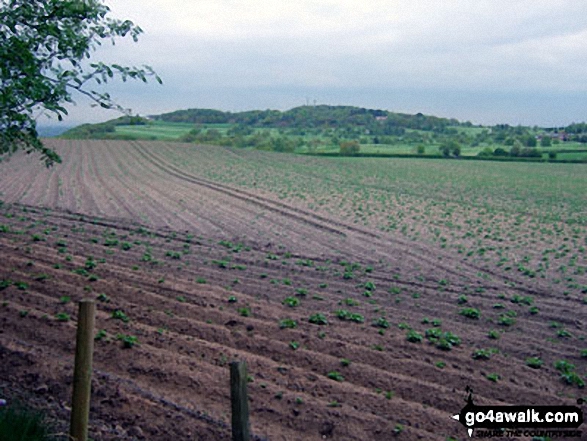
x,y
465,158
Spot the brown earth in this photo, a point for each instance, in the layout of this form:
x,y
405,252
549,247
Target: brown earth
x,y
173,250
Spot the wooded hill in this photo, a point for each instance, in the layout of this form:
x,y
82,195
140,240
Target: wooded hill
x,y
316,117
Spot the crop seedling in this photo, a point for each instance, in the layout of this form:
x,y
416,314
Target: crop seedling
x,y
568,374
472,313
245,312
23,286
120,315
128,341
292,302
348,275
111,242
318,319
301,292
343,314
62,317
413,336
564,366
335,375
100,335
288,323
369,286
505,320
381,322
493,377
173,254
147,257
81,271
443,340
573,378
294,345
482,354
493,334
534,362
90,263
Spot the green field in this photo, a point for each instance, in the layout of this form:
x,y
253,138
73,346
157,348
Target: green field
x,y
156,130
323,141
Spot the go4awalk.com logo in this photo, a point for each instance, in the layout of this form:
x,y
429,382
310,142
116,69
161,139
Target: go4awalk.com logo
x,y
554,422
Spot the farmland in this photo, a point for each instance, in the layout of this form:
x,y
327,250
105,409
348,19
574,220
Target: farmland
x,y
364,294
324,130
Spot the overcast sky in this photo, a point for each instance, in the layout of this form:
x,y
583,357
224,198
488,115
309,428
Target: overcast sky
x,y
487,61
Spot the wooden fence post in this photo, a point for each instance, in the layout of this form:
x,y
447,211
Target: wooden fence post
x,y
82,374
239,399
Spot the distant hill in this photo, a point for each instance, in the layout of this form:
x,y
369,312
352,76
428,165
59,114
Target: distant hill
x,y
323,116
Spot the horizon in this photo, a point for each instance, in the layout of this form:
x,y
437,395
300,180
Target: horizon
x,y
55,129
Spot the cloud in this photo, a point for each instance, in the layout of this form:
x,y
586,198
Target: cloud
x,y
271,47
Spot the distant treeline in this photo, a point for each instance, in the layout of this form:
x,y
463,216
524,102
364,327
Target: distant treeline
x,y
376,122
531,158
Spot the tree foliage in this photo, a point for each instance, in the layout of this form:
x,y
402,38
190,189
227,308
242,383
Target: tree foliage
x,y
44,51
451,147
349,148
546,141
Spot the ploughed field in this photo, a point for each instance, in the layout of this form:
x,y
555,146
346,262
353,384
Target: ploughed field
x,y
365,295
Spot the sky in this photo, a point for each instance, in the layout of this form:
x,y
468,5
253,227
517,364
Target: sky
x,y
484,61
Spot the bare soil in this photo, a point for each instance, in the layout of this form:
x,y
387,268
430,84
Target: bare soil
x,y
202,269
